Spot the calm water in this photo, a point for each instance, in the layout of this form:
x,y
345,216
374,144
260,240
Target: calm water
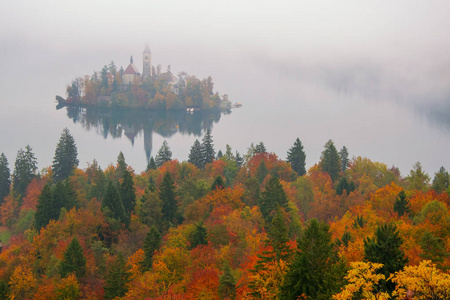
x,y
276,109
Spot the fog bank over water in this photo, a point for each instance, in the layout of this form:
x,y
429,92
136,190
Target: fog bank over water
x,y
373,76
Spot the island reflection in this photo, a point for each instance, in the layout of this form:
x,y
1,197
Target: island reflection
x,y
131,123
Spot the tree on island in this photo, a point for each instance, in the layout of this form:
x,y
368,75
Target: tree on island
x,y
65,160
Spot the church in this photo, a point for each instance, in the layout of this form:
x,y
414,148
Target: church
x,y
131,72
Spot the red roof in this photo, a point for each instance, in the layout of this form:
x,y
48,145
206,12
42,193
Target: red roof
x,y
131,69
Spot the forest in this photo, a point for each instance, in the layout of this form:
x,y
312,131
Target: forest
x,y
222,225
162,91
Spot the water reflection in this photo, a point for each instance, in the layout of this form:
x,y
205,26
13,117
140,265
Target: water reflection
x,y
131,123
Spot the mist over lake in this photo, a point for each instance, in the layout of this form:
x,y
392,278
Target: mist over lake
x,y
373,77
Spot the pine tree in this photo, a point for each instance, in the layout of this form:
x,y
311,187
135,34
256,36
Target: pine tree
x,y
118,278
296,157
199,236
273,197
343,156
164,154
167,195
260,148
65,160
151,164
441,180
196,155
227,283
401,204
74,260
316,270
218,183
121,166
329,162
127,194
151,244
384,248
24,170
46,209
208,152
113,203
5,178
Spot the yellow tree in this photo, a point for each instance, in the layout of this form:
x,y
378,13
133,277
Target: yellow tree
x,y
363,282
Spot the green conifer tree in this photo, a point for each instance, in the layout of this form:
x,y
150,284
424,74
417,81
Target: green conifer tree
x,y
441,180
433,249
64,196
384,248
121,166
401,204
167,195
260,148
114,204
24,170
118,278
296,157
208,152
417,178
218,183
344,185
164,154
196,155
46,209
199,236
127,195
227,283
262,171
151,244
5,178
316,270
239,160
65,160
74,260
343,156
329,161
150,208
151,164
273,197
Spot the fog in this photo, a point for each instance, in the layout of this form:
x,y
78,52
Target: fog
x,y
276,57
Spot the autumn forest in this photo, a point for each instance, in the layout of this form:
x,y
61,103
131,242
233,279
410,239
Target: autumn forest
x,y
221,225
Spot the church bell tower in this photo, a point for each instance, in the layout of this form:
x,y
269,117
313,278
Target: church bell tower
x,y
147,62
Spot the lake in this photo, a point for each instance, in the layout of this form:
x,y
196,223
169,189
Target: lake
x,y
277,108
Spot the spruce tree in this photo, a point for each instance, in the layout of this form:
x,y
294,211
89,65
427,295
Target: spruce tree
x,y
65,160
343,156
24,170
441,180
196,155
273,197
118,278
260,148
384,248
401,204
208,152
127,194
46,209
164,154
151,164
121,166
64,195
5,178
167,195
150,209
239,160
151,244
74,260
344,185
316,270
113,203
218,183
219,154
199,236
262,171
227,283
296,157
329,161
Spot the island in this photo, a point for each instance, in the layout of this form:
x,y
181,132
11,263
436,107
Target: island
x,y
152,89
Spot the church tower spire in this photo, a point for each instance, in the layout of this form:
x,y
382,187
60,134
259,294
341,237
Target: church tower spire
x,y
147,62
